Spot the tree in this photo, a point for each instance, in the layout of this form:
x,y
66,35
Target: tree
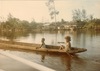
x,y
33,24
79,15
83,15
12,23
63,21
53,12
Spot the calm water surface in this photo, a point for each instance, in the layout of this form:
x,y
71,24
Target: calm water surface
x,y
87,61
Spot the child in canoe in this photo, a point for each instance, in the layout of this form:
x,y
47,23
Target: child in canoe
x,y
43,43
67,46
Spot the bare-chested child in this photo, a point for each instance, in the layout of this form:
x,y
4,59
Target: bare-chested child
x,y
43,43
67,46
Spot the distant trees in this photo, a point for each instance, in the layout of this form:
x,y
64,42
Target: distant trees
x,y
14,25
80,18
53,12
83,20
79,15
33,25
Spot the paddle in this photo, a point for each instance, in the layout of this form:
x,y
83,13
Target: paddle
x,y
61,42
68,54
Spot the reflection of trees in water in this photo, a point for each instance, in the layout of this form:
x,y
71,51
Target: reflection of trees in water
x,y
83,37
13,35
33,35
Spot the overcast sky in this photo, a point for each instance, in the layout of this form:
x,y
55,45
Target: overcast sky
x,y
37,9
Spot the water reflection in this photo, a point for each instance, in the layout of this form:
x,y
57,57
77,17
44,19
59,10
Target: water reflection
x,y
54,36
61,62
63,58
66,60
42,57
12,36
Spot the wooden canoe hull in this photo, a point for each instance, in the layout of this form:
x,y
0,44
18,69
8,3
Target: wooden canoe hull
x,y
35,47
72,51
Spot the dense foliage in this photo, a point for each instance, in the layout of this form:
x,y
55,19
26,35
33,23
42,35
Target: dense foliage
x,y
85,21
80,19
16,25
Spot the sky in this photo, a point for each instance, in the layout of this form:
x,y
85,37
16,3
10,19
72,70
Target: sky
x,y
37,9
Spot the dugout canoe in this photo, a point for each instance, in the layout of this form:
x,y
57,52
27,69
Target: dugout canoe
x,y
72,51
35,47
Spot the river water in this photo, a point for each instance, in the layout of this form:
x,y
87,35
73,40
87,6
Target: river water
x,y
86,61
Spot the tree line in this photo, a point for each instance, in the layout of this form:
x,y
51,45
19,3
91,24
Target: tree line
x,y
85,21
15,24
80,18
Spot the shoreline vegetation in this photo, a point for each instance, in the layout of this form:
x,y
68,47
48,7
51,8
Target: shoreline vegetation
x,y
16,25
80,21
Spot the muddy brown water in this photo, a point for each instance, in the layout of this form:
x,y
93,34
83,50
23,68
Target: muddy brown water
x,y
86,61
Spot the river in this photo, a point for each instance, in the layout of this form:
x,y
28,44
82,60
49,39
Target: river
x,y
86,61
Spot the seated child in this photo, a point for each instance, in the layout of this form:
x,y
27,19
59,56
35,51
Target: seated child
x,y
43,43
67,45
